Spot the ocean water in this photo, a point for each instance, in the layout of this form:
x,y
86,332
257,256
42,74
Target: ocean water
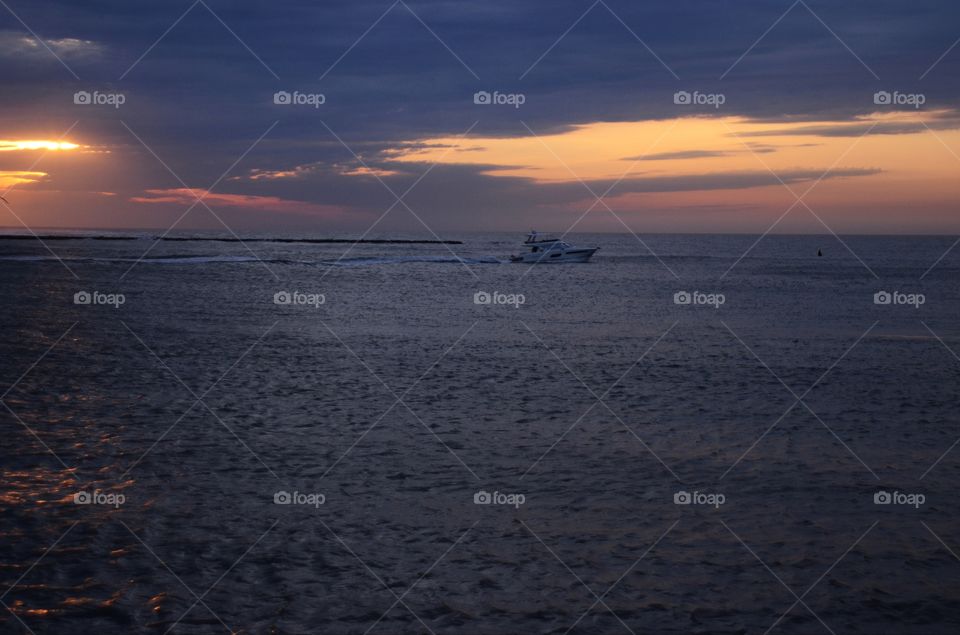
x,y
584,453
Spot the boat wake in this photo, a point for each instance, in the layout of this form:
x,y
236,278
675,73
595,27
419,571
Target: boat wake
x,y
394,260
228,259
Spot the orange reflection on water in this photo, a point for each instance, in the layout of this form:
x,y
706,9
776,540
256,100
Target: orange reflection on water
x,y
18,607
37,486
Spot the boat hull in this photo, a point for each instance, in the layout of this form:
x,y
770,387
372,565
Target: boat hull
x,y
554,257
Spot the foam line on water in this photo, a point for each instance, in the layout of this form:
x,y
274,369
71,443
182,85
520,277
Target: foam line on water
x,y
229,259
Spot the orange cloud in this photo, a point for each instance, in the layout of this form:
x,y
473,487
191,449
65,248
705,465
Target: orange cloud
x,y
9,178
302,171
367,171
187,196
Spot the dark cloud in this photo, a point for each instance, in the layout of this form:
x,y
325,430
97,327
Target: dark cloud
x,y
672,156
949,121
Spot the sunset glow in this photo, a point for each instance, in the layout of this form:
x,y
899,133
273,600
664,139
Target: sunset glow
x,y
697,146
13,146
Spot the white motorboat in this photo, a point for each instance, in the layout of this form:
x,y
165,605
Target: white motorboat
x,y
549,250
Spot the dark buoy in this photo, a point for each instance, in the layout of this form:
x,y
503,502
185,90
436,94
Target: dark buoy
x,y
819,253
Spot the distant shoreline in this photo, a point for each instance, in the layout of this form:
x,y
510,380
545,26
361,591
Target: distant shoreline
x,y
366,241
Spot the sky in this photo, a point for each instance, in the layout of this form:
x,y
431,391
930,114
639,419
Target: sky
x,y
440,116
